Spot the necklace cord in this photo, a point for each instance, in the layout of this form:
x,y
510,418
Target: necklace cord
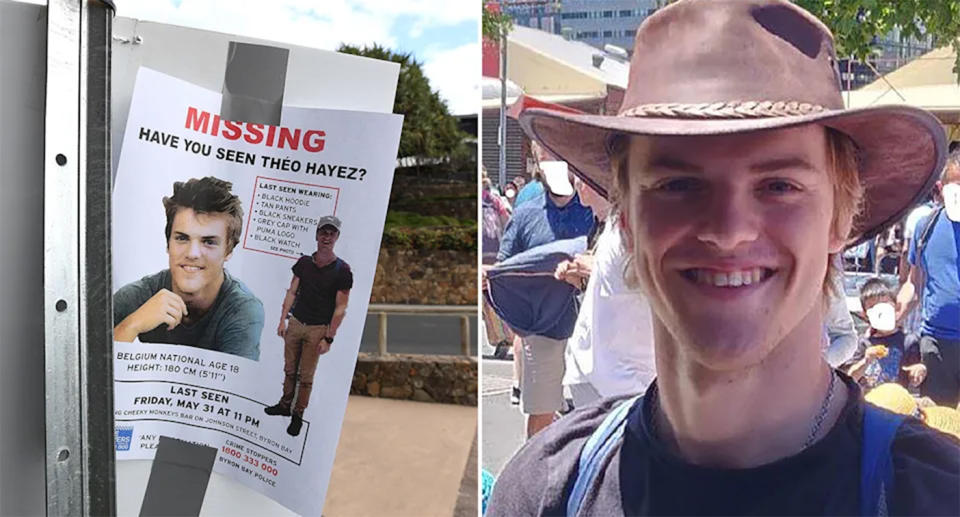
x,y
814,430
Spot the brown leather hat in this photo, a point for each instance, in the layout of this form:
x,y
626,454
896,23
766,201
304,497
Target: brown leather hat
x,y
710,67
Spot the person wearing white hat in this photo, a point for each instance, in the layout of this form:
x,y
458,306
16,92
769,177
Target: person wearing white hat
x,y
553,215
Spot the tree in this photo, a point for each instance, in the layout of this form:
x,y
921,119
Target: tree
x,y
856,24
495,24
429,131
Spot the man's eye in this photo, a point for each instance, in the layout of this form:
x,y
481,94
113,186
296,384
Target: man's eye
x,y
180,238
680,185
779,187
210,242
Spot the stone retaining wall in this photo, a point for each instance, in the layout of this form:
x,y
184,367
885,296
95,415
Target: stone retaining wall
x,y
424,378
418,277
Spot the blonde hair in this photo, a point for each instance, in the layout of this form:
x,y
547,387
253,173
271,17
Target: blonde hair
x,y
843,160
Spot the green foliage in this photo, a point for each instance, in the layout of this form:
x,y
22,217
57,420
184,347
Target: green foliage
x,y
495,25
855,23
415,220
429,130
457,239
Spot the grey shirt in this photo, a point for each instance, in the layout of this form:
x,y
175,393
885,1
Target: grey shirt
x,y
232,325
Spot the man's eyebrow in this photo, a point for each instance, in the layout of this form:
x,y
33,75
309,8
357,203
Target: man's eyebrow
x,y
779,164
178,233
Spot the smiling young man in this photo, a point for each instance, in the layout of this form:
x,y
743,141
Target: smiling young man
x,y
739,176
315,304
195,302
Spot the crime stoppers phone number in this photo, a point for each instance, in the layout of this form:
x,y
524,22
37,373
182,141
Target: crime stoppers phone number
x,y
252,461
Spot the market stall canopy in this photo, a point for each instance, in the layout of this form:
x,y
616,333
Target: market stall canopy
x,y
552,68
525,101
927,82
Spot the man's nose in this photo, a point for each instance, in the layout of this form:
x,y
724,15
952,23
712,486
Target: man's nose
x,y
194,249
730,218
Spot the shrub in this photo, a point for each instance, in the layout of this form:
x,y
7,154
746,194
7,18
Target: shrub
x,y
456,239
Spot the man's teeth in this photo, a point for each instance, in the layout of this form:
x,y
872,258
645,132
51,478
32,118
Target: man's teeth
x,y
729,278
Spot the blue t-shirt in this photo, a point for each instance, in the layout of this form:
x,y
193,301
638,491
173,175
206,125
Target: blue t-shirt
x,y
528,193
941,267
540,221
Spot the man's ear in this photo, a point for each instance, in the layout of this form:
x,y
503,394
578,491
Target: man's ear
x,y
836,244
839,235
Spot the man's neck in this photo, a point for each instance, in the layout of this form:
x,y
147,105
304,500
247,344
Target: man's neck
x,y
559,201
200,302
749,417
323,257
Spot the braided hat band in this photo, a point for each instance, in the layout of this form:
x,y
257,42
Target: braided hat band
x,y
725,110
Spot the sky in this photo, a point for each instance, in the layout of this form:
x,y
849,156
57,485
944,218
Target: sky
x,y
443,35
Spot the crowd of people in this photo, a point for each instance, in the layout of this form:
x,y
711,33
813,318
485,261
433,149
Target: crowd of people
x,y
681,272
553,375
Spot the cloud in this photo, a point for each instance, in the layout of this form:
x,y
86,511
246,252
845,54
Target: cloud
x,y
416,30
455,73
306,22
291,21
429,12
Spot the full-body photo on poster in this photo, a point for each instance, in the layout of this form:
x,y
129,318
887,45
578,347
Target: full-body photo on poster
x,y
244,256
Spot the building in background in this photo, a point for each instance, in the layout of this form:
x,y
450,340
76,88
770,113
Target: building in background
x,y
595,22
604,22
551,69
536,14
890,54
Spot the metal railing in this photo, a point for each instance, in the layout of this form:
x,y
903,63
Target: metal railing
x,y
383,309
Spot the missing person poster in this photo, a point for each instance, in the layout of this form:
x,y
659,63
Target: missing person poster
x,y
243,259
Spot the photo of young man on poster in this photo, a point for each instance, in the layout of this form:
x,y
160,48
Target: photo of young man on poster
x,y
195,302
315,304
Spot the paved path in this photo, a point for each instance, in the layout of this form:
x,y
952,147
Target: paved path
x,y
399,458
503,429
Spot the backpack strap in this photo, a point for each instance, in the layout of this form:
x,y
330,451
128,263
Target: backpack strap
x,y
924,236
876,462
596,450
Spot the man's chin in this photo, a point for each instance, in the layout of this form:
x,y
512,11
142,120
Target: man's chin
x,y
725,346
185,287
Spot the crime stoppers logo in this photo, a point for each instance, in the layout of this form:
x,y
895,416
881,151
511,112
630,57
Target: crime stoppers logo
x,y
124,436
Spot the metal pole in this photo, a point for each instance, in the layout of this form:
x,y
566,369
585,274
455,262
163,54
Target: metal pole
x,y
502,177
77,319
382,336
465,335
